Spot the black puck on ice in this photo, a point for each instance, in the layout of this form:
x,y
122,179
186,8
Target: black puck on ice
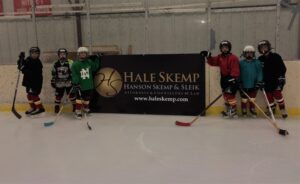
x,y
283,132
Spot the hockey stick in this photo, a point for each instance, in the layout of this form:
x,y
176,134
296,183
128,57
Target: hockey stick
x,y
85,117
269,106
281,132
87,122
179,123
50,123
272,121
13,108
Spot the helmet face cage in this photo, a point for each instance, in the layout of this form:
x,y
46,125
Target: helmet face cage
x,y
262,43
225,43
247,57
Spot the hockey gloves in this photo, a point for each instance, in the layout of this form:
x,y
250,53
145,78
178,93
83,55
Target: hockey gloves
x,y
205,54
260,85
281,82
229,85
76,87
21,61
232,82
95,57
53,82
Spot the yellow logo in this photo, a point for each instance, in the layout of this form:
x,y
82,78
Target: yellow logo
x,y
108,82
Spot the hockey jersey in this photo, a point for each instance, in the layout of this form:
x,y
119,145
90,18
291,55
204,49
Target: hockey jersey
x,y
251,73
61,72
33,73
229,68
273,68
229,64
82,73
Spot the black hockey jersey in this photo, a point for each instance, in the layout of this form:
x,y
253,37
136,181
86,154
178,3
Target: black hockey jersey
x,y
61,72
273,68
33,73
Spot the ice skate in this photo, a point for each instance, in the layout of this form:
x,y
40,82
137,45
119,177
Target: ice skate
x,y
284,114
78,114
253,113
56,109
38,113
29,111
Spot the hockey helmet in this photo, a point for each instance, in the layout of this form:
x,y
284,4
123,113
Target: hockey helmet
x,y
82,49
34,50
62,50
247,49
262,43
225,43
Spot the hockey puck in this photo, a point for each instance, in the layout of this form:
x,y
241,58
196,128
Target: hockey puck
x,y
283,132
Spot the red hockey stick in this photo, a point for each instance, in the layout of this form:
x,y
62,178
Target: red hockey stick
x,y
179,123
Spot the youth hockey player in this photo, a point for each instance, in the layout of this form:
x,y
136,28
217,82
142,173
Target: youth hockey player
x,y
230,72
251,79
273,75
61,79
32,69
83,81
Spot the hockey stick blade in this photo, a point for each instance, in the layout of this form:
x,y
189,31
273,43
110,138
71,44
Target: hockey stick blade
x,y
88,125
13,110
47,124
178,123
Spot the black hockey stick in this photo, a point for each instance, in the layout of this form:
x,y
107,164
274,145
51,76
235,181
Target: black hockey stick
x,y
13,108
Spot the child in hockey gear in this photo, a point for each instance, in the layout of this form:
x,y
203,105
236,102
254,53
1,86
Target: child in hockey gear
x,y
62,79
251,79
273,75
230,72
82,80
32,69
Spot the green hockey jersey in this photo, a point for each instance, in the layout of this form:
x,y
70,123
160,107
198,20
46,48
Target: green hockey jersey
x,y
82,73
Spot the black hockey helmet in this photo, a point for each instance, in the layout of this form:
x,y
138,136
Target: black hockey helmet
x,y
225,43
34,49
62,50
261,43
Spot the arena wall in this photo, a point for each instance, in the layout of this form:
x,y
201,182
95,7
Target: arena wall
x,y
9,73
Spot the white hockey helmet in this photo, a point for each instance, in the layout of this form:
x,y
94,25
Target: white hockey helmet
x,y
249,48
82,49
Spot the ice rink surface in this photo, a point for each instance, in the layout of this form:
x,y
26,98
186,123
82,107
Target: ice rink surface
x,y
147,149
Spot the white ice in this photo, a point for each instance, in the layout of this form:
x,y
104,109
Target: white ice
x,y
147,149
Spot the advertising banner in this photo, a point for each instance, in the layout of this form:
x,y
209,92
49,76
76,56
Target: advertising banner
x,y
150,84
23,7
1,8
